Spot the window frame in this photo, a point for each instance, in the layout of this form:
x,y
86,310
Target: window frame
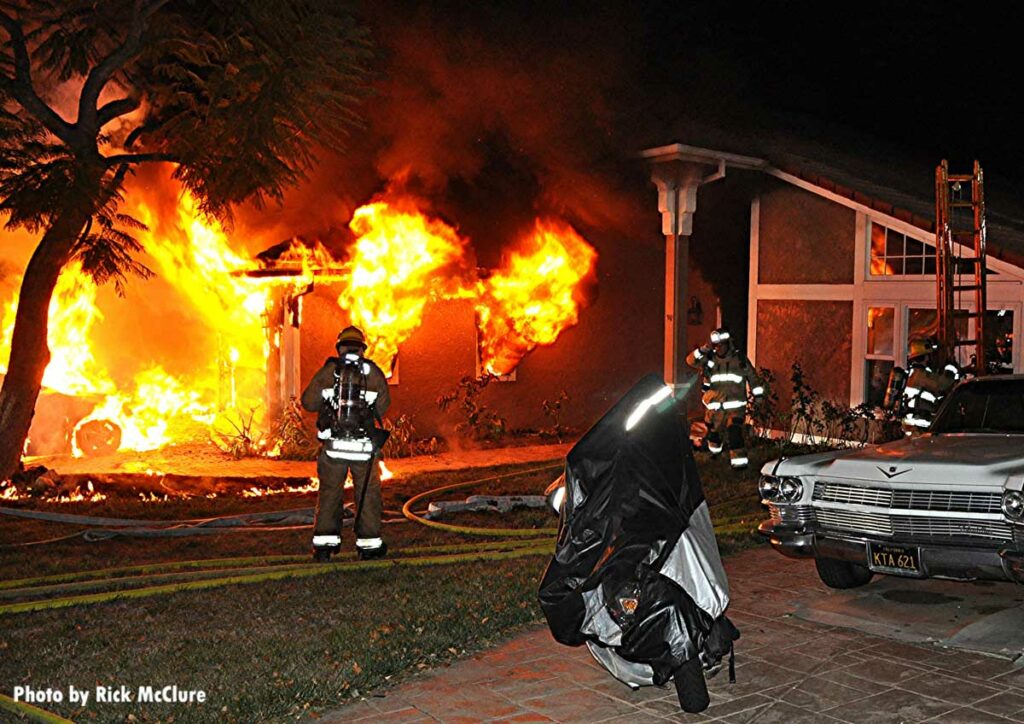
x,y
929,252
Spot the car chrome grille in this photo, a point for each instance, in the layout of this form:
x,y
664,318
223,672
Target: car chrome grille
x,y
841,493
883,523
920,526
791,514
937,500
910,526
856,522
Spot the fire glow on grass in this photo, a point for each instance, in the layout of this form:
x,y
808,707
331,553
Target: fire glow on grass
x,y
400,259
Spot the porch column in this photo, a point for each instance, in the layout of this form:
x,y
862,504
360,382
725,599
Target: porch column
x,y
677,203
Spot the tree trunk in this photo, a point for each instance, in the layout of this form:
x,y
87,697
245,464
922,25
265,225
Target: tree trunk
x,y
30,352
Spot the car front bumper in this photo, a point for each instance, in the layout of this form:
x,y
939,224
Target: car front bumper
x,y
937,561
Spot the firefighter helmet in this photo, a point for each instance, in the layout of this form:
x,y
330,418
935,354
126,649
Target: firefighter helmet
x,y
720,335
921,347
351,337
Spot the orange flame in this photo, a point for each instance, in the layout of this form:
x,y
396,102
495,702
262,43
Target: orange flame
x,y
400,257
535,296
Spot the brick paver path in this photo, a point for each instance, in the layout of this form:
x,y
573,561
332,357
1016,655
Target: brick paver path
x,y
788,670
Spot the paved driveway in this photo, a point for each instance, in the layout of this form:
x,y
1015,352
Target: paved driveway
x,y
794,663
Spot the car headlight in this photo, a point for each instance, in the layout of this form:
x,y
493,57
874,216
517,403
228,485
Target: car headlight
x,y
1013,505
768,487
786,489
791,489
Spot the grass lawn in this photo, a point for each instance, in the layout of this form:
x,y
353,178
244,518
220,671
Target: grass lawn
x,y
280,650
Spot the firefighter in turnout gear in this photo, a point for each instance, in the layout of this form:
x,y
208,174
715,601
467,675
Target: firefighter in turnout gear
x,y
727,373
927,384
350,395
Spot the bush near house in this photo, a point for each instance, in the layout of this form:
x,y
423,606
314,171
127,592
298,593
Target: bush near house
x,y
814,420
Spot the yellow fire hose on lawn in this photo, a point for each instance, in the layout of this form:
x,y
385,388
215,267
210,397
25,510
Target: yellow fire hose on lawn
x,y
62,590
27,712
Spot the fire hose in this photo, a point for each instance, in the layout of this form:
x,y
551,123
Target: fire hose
x,y
62,589
27,712
292,519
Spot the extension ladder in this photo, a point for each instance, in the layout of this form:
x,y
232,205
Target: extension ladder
x,y
960,261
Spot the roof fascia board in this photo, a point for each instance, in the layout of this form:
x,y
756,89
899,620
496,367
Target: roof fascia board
x,y
682,152
890,221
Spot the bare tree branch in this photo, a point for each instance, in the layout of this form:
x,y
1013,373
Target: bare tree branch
x,y
88,116
22,90
113,109
127,158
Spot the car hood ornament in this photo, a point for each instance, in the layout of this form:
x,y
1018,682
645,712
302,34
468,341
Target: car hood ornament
x,y
893,471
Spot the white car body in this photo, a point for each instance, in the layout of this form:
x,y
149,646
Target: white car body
x,y
938,498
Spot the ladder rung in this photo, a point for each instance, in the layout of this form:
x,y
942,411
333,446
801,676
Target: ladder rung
x,y
968,288
961,204
964,314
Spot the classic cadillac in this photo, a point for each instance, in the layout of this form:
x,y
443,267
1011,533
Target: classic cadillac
x,y
946,504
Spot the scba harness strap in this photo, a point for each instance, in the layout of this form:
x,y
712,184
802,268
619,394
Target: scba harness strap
x,y
346,424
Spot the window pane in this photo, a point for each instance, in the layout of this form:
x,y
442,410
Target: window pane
x,y
929,265
914,248
913,265
880,330
877,240
893,244
877,381
923,323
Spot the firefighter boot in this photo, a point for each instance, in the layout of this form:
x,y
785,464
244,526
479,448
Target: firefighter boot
x,y
369,554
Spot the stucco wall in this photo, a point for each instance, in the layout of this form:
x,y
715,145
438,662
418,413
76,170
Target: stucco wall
x,y
817,334
804,238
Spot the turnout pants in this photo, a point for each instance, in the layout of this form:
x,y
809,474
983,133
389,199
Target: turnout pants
x,y
330,502
727,427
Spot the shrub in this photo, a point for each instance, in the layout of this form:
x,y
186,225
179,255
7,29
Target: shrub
x,y
403,442
553,411
480,422
292,437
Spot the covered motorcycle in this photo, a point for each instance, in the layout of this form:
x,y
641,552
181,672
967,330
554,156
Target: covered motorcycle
x,y
636,573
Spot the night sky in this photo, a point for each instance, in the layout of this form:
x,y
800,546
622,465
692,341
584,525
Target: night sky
x,y
936,79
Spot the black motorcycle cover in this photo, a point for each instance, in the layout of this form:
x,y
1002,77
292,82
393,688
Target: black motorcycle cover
x,y
636,573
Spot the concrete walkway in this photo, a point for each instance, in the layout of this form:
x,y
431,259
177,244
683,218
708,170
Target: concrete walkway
x,y
789,669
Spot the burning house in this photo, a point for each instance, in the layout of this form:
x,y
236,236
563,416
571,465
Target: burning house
x,y
222,337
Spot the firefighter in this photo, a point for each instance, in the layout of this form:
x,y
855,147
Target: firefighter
x,y
927,384
726,373
350,393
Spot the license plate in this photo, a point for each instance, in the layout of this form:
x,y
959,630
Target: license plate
x,y
900,560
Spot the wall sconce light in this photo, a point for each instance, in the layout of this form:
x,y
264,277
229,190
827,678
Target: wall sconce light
x,y
695,314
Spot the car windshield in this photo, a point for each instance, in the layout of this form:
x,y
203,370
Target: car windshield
x,y
985,406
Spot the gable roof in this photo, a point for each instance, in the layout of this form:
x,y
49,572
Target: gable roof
x,y
903,191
